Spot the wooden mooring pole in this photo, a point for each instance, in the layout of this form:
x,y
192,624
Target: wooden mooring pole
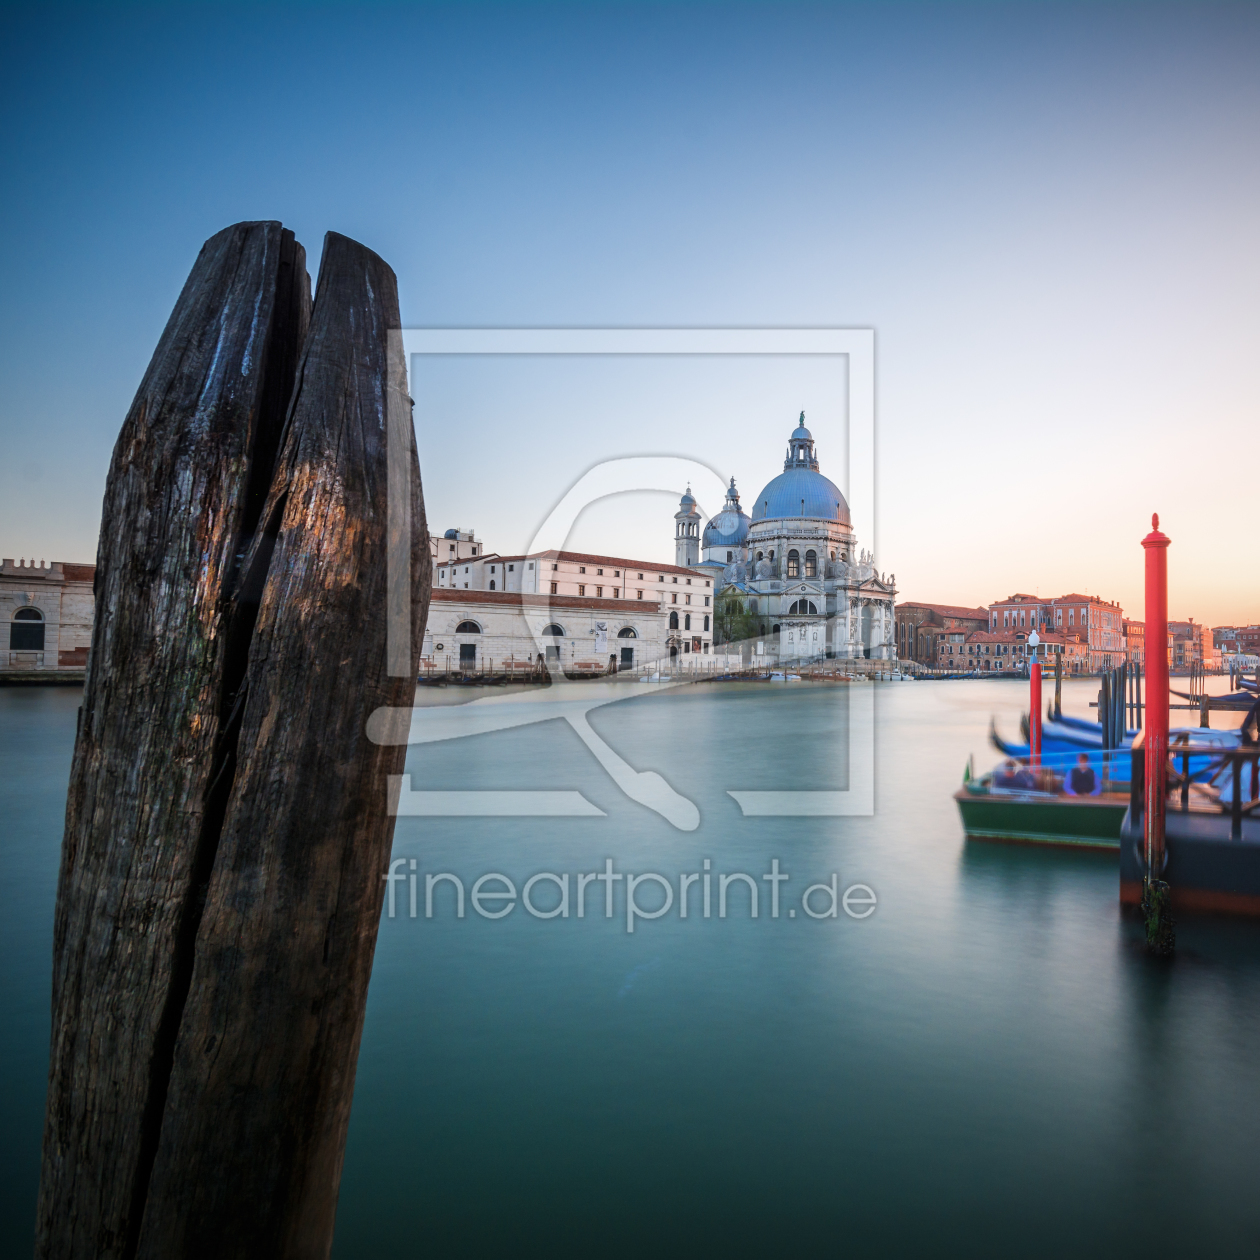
x,y
227,822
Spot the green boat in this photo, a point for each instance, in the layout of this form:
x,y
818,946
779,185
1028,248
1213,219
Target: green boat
x,y
1082,822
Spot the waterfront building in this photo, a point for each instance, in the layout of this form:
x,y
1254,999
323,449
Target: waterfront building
x,y
1022,612
685,596
922,629
1098,623
500,631
1134,641
792,570
1192,646
1235,639
453,546
46,618
992,650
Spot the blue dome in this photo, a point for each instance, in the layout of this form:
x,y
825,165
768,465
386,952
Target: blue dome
x,y
451,533
801,434
801,492
726,529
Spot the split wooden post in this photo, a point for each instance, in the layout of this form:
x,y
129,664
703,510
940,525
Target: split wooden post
x,y
247,1056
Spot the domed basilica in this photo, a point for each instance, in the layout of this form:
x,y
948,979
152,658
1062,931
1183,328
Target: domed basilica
x,y
793,566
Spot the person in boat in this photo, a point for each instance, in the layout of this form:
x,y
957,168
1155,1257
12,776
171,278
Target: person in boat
x,y
1082,781
1007,775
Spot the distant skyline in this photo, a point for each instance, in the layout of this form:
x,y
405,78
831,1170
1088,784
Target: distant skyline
x,y
1047,214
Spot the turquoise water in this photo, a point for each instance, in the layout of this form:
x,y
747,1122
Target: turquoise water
x,y
987,1065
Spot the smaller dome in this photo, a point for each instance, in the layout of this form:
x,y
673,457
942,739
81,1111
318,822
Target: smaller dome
x,y
451,533
801,433
729,527
687,501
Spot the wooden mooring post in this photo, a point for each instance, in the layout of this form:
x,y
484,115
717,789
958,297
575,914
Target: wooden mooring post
x,y
227,822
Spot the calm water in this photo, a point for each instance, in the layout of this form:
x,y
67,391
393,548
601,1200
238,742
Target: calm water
x,y
988,1065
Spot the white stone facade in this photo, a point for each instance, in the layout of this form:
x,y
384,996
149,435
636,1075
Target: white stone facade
x,y
796,567
511,632
633,587
46,615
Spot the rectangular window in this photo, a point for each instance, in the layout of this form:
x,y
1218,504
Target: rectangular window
x,y
530,565
582,589
688,581
688,599
553,588
639,595
660,577
511,568
675,581
616,592
675,597
706,599
599,590
581,568
599,572
640,577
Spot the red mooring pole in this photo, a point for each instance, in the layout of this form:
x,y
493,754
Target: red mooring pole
x,y
1034,712
1156,545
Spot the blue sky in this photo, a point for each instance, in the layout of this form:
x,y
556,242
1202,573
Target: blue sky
x,y
1047,212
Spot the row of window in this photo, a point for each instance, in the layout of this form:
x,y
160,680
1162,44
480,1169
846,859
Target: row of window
x,y
555,630
673,621
660,577
616,593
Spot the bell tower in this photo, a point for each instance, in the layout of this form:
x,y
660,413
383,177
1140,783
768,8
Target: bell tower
x,y
687,532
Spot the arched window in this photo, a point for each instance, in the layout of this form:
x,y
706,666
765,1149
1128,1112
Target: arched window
x,y
26,634
627,632
687,622
468,627
803,608
492,583
774,629
811,564
761,555
706,621
794,563
554,630
673,621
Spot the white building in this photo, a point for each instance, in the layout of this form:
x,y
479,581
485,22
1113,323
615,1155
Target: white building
x,y
453,546
522,632
794,565
682,595
45,618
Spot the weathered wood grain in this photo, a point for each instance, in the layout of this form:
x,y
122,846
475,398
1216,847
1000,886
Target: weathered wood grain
x,y
253,1131
177,512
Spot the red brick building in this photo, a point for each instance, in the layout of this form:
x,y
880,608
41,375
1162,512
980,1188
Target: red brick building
x,y
923,629
1237,639
1191,645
